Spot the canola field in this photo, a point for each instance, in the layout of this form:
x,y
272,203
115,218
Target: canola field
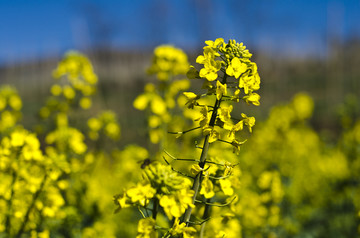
x,y
216,171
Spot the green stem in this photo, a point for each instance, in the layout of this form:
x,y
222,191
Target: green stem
x,y
205,216
155,207
183,132
204,152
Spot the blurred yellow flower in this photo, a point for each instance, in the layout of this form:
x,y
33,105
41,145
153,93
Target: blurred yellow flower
x,y
236,68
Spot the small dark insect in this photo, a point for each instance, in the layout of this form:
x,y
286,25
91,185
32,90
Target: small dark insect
x,y
145,163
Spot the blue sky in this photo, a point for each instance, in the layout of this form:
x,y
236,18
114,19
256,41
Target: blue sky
x,y
34,29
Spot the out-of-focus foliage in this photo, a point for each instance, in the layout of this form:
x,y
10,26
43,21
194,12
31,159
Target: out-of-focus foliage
x,y
56,183
169,64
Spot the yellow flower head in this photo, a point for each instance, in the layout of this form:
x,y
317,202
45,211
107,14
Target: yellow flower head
x,y
211,66
207,188
236,68
141,194
168,61
253,98
249,121
224,113
146,228
175,204
181,229
205,117
214,44
192,99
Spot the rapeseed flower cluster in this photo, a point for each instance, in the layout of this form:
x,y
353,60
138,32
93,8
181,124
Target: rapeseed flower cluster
x,y
169,63
76,84
106,122
285,182
46,184
171,190
176,193
238,74
10,106
28,191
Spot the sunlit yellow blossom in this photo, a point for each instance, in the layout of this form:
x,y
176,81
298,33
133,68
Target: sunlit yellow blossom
x,y
224,113
154,121
112,130
207,188
168,61
67,138
2,103
211,66
192,99
214,44
94,124
175,204
85,102
62,119
205,117
303,105
236,68
250,82
8,119
122,201
226,187
77,67
233,129
18,138
213,133
209,54
31,149
264,180
181,229
56,90
253,98
164,177
248,121
158,106
146,228
141,193
69,92
15,102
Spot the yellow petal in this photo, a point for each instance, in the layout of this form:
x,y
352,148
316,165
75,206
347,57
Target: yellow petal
x,y
141,102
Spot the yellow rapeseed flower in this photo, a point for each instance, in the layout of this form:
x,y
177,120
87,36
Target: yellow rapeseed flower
x,y
211,66
253,98
181,229
207,188
236,68
248,121
146,228
175,204
141,193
